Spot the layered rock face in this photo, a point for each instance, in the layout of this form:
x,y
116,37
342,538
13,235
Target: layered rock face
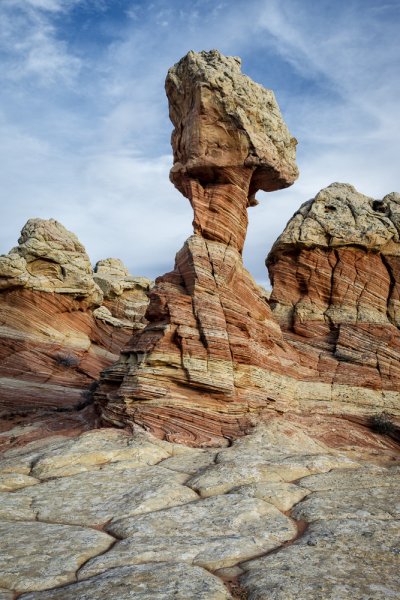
x,y
125,298
60,323
193,374
335,272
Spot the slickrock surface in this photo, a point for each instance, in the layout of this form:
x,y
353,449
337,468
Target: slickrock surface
x,y
194,373
335,272
111,514
147,582
60,322
57,552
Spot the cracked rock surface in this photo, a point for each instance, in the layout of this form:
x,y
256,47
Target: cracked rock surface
x,y
111,514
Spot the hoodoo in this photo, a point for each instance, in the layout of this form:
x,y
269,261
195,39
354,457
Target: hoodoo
x,y
214,352
197,370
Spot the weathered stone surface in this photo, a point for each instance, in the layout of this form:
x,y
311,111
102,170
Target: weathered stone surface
x,y
343,495
366,477
380,503
231,534
16,508
36,556
53,339
16,481
49,258
147,582
269,455
282,495
190,462
125,297
95,449
222,478
334,560
213,533
94,498
349,550
20,459
223,119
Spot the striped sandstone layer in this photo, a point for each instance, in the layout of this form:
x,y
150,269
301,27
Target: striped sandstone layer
x,y
196,372
335,272
61,323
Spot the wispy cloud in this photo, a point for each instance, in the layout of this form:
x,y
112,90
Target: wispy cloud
x,y
29,43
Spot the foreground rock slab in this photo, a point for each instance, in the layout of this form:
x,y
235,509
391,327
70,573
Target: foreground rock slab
x,y
36,556
61,537
212,533
147,582
366,493
94,498
334,560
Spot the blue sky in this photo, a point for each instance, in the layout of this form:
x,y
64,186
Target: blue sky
x,y
84,128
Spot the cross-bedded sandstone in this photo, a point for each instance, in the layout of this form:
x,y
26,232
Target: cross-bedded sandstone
x,y
214,353
192,373
61,323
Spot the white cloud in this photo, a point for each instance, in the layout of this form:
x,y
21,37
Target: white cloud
x,y
85,129
29,43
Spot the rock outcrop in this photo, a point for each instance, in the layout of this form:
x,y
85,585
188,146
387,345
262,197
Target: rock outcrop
x,y
193,374
60,322
335,272
49,258
224,120
216,351
125,298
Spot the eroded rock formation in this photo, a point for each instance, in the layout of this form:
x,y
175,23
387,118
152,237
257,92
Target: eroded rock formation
x,y
193,374
125,298
214,353
336,281
60,323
